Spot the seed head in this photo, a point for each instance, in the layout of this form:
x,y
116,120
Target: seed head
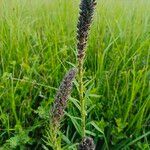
x,y
62,96
87,144
85,19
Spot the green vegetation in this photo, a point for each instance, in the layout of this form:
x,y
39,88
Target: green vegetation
x,y
38,46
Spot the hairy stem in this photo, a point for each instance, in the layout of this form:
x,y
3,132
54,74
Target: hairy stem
x,y
55,141
81,94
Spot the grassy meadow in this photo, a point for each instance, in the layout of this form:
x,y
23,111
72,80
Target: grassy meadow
x,y
37,48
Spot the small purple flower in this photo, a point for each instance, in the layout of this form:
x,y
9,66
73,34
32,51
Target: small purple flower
x,y
62,96
87,144
85,19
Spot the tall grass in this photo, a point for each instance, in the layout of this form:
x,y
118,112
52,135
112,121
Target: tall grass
x,y
38,45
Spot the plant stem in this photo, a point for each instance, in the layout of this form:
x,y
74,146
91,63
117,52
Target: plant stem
x,y
54,139
55,142
83,26
81,95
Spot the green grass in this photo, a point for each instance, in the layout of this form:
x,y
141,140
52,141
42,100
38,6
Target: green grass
x,y
38,46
